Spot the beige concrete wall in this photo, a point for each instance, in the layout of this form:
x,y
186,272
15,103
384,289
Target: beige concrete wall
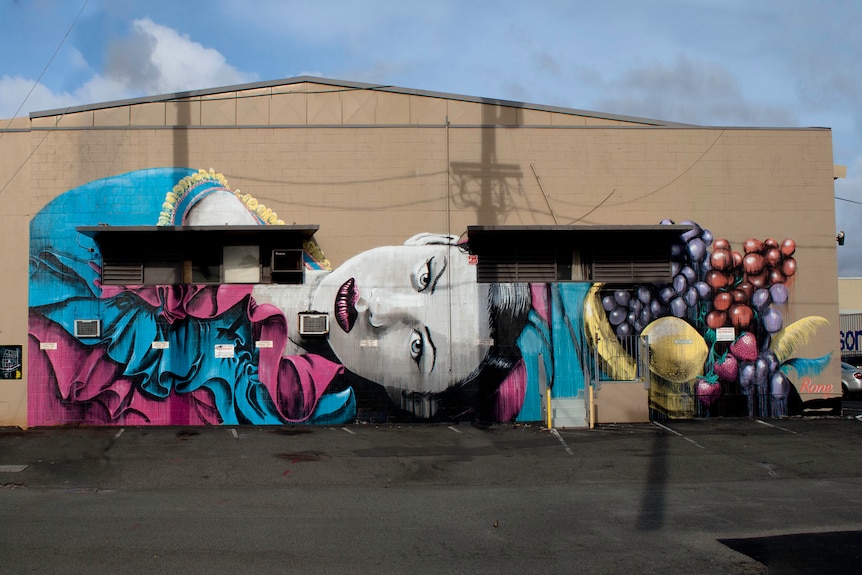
x,y
15,146
373,168
850,295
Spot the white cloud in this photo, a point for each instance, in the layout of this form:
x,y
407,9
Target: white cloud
x,y
14,99
156,59
152,60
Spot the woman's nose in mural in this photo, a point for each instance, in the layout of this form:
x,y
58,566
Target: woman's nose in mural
x,y
386,307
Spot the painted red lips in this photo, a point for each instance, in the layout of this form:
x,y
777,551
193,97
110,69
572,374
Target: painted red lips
x,y
345,305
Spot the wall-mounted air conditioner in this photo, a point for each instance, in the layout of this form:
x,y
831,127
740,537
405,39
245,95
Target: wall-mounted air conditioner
x,y
313,324
88,328
286,260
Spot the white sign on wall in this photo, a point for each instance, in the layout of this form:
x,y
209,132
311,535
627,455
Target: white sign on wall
x,y
725,334
224,350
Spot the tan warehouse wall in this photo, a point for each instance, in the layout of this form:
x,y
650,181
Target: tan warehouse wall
x,y
373,168
14,230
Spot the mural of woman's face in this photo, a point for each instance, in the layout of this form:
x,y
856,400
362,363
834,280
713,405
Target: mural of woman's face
x,y
408,317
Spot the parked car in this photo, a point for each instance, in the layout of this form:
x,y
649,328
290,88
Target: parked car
x,y
851,379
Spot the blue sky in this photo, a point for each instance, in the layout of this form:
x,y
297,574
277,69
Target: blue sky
x,y
712,62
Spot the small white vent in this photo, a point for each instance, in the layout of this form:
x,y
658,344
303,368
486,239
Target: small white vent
x,y
88,328
313,324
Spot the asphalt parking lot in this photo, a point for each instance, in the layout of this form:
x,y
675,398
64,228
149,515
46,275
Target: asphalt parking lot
x,y
705,496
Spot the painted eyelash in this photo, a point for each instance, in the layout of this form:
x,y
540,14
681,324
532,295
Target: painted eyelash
x,y
416,338
426,273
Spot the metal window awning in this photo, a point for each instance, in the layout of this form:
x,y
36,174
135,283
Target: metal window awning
x,y
103,232
492,238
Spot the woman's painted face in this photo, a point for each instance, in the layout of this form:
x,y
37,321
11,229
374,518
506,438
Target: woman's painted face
x,y
407,317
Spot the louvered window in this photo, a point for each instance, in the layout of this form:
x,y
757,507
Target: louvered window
x,y
610,254
122,272
628,268
517,266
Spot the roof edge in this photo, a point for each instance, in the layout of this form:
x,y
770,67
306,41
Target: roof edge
x,y
353,86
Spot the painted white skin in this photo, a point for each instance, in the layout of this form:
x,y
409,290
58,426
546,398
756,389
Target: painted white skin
x,y
218,209
408,317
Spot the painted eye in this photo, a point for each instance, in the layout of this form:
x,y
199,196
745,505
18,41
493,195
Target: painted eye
x,y
423,276
417,346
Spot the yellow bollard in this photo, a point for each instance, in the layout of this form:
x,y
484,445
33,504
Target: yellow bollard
x,y
550,410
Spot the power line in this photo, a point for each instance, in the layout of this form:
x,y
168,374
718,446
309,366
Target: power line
x,y
846,200
45,69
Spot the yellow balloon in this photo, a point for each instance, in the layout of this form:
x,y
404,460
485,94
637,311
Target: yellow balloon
x,y
676,350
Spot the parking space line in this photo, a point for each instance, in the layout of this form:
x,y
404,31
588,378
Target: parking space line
x,y
678,434
119,433
234,433
776,426
456,430
351,432
562,441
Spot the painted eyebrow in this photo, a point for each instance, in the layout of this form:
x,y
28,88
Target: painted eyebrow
x,y
433,349
439,274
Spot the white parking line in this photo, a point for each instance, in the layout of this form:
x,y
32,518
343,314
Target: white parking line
x,y
776,426
234,433
678,434
563,441
349,431
456,430
119,433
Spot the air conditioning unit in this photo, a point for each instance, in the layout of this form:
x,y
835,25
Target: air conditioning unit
x,y
313,324
88,328
286,260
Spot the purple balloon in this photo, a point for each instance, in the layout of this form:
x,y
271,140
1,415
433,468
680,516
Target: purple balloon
x,y
694,232
771,359
609,303
746,375
696,249
645,317
761,371
677,252
617,316
666,294
680,284
779,384
636,305
761,299
644,294
624,329
703,290
678,307
674,268
689,273
706,236
690,297
622,297
656,308
778,293
772,320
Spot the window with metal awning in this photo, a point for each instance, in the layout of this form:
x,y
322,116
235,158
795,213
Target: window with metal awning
x,y
609,254
164,255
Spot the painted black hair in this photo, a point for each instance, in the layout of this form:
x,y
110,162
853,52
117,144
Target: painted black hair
x,y
474,398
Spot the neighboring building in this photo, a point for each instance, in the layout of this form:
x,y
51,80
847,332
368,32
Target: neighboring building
x,y
850,319
313,251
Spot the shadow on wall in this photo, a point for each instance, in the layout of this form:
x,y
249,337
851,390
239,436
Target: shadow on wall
x,y
488,186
